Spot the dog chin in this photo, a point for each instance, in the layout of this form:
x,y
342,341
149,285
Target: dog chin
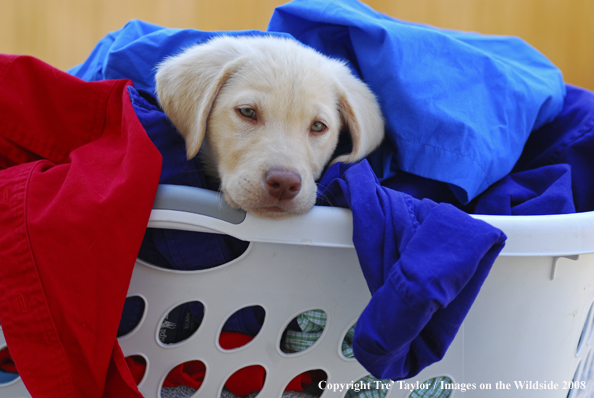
x,y
271,212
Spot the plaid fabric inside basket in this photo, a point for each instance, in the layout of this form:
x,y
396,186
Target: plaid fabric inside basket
x,y
312,324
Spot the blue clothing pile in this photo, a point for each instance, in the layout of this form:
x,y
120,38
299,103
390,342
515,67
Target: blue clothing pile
x,y
481,124
458,106
554,175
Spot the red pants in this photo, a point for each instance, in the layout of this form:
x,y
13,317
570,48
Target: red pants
x,y
78,176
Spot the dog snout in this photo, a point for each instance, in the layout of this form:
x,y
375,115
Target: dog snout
x,y
283,184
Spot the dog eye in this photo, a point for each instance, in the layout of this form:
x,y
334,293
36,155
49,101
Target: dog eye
x,y
318,127
247,112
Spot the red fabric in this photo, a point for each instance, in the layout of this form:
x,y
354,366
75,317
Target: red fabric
x,y
241,383
6,362
137,367
231,340
299,382
78,176
246,380
190,374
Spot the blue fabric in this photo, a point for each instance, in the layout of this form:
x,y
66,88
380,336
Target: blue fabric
x,y
568,140
131,315
134,51
424,264
554,175
7,377
546,190
458,106
182,322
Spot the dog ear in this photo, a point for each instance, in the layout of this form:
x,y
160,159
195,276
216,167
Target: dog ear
x,y
188,84
361,116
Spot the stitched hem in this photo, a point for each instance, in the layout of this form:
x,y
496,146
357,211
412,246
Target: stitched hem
x,y
26,318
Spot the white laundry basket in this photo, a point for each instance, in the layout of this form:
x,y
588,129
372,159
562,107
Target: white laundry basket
x,y
527,335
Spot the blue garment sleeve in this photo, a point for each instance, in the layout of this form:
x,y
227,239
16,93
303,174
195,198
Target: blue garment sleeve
x,y
424,264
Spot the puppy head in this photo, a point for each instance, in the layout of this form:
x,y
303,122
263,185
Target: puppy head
x,y
265,114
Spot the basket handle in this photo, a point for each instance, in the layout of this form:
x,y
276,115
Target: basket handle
x,y
196,209
198,201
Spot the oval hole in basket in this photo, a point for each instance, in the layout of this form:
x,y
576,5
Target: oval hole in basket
x,y
241,327
184,380
181,322
246,381
303,331
8,372
189,250
310,381
131,315
137,366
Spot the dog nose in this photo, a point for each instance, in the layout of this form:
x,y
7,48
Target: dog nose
x,y
283,184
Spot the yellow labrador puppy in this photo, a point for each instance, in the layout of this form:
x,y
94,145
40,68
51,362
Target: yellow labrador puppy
x,y
265,114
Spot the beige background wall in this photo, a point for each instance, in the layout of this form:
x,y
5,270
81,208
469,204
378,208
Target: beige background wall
x,y
63,32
